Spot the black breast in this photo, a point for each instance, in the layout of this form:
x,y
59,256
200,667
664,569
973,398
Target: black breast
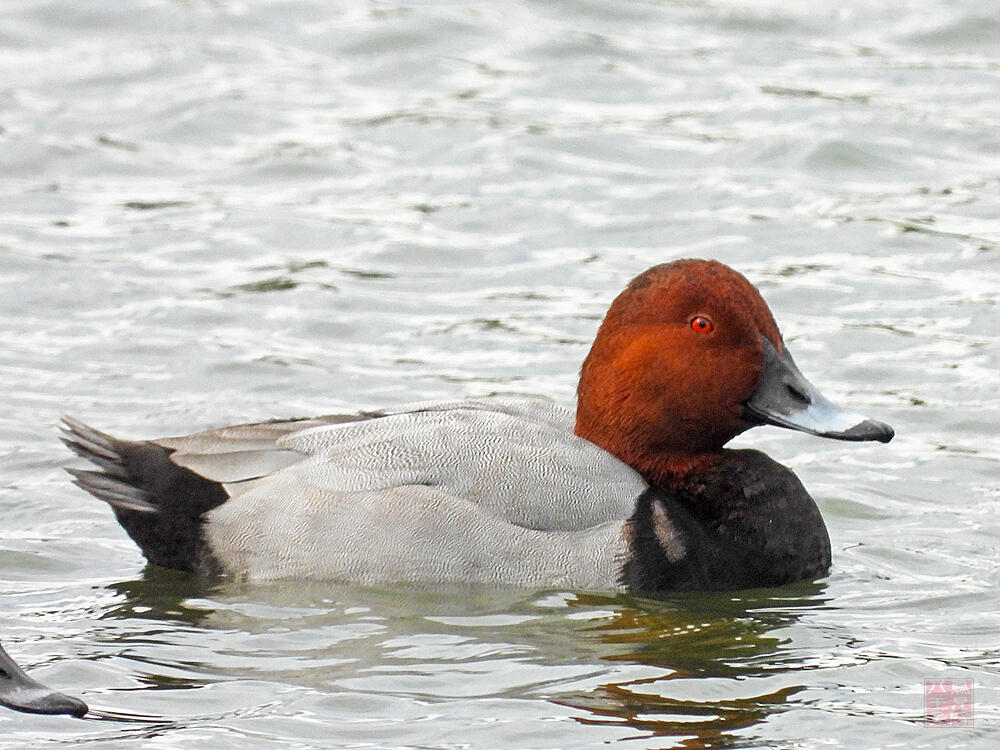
x,y
746,523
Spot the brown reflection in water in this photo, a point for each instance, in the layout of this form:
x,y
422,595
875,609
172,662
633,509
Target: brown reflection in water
x,y
693,724
727,638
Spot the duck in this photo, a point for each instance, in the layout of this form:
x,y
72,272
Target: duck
x,y
20,692
633,492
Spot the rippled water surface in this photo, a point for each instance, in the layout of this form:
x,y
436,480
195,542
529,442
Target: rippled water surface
x,y
223,211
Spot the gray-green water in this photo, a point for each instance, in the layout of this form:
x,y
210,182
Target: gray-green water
x,y
223,211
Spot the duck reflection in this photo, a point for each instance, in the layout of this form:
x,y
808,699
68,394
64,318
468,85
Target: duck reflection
x,y
706,645
697,670
163,595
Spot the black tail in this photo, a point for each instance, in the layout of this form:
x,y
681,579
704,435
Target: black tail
x,y
160,504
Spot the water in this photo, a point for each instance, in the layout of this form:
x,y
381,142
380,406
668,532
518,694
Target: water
x,y
225,211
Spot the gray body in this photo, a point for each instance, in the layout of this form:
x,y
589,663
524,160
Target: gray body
x,y
495,490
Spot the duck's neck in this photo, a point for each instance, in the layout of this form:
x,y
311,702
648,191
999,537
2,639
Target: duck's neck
x,y
668,469
664,466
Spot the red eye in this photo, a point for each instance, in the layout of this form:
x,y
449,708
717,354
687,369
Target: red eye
x,y
702,324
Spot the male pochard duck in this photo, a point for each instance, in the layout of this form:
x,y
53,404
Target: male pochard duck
x,y
638,494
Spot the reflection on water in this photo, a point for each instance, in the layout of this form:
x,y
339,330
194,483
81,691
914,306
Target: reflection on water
x,y
689,723
714,636
161,595
697,669
723,636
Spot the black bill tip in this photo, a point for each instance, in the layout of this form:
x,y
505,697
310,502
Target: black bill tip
x,y
870,429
